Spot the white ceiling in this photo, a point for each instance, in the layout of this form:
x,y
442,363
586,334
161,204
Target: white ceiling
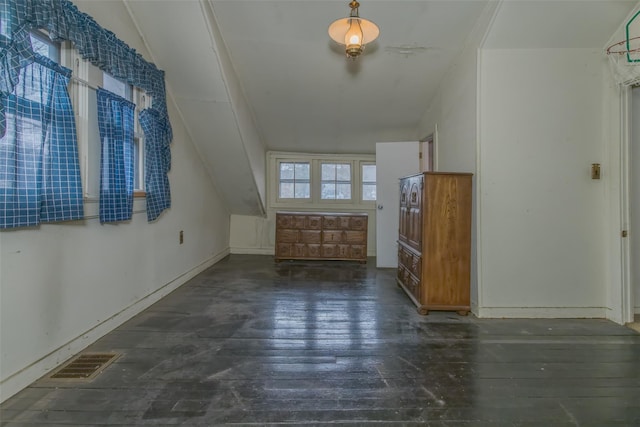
x,y
306,95
300,89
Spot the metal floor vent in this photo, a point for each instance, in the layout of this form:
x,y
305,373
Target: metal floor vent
x,y
85,367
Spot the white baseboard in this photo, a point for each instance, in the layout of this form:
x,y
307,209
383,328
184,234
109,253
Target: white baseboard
x,y
27,375
542,312
253,251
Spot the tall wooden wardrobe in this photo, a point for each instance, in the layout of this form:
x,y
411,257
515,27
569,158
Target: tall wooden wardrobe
x,y
434,245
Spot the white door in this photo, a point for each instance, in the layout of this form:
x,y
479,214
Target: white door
x,y
393,161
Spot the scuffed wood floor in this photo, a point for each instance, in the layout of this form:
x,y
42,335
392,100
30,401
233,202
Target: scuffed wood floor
x,y
252,342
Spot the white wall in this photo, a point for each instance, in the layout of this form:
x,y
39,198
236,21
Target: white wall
x,y
454,114
634,227
62,286
541,217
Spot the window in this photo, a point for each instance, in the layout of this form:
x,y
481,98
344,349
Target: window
x,y
42,45
294,180
321,181
116,86
138,97
39,168
84,98
368,181
335,181
87,39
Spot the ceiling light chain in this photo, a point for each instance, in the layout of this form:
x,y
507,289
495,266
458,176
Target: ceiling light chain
x,y
353,32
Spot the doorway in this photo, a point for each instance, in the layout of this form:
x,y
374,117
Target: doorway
x,y
634,200
427,154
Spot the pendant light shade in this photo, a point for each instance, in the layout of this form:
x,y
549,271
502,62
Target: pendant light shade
x,y
353,32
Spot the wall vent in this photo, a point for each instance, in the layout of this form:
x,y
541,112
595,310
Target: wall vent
x,y
84,367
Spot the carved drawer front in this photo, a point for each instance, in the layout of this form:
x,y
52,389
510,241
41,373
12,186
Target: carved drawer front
x,y
343,222
283,249
283,221
310,236
330,222
354,236
314,222
314,251
302,250
344,251
405,280
413,285
288,236
299,222
407,276
416,265
358,223
299,250
329,251
331,236
400,273
404,257
358,251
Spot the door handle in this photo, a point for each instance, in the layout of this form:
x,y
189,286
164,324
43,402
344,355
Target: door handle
x,y
380,207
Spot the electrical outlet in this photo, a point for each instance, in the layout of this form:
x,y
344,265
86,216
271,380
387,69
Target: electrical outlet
x,y
181,237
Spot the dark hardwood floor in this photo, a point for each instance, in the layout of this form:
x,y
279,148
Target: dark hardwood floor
x,y
251,342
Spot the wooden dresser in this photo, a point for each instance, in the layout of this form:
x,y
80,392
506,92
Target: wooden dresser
x,y
434,246
321,235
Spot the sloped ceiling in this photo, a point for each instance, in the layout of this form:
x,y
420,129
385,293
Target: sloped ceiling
x,y
298,90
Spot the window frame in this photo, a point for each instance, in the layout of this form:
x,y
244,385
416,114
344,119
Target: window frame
x,y
315,202
88,77
363,182
55,48
335,181
279,181
143,101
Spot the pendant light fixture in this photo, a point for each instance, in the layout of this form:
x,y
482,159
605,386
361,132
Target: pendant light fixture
x,y
353,32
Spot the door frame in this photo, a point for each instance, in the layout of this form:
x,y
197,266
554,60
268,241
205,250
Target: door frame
x,y
626,280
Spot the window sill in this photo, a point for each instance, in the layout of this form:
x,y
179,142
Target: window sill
x,y
139,194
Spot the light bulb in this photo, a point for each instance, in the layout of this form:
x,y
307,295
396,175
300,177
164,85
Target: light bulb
x,y
353,35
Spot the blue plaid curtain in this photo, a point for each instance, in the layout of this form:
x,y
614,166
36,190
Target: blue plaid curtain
x,y
115,122
63,21
157,164
39,168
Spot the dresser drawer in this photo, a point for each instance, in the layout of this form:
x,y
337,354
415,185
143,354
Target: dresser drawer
x,y
287,236
358,223
329,251
310,236
332,236
358,252
314,222
291,221
354,237
302,250
283,250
